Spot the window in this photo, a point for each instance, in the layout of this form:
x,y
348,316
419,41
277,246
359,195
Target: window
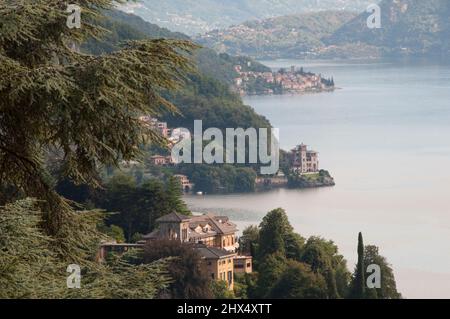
x,y
230,277
212,276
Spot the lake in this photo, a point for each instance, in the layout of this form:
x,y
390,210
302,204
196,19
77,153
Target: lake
x,y
385,137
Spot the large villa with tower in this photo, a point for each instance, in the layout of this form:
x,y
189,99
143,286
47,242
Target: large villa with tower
x,y
304,161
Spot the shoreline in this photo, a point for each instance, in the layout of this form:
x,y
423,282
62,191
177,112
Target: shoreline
x,y
307,92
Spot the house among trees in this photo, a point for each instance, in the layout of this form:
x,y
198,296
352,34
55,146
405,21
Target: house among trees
x,y
213,237
160,160
156,125
186,184
209,230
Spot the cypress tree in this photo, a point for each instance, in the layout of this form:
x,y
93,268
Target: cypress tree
x,y
357,287
360,283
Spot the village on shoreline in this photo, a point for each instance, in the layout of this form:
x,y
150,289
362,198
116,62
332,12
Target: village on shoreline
x,y
283,81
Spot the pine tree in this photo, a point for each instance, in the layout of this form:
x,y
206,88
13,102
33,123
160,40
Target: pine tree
x,y
83,108
174,194
29,268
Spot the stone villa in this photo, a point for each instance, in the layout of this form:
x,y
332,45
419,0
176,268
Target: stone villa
x,y
186,184
208,230
304,161
214,238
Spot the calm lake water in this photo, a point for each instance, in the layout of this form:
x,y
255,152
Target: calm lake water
x,y
385,137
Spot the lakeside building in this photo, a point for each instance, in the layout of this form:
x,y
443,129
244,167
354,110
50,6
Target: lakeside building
x,y
214,238
186,184
303,160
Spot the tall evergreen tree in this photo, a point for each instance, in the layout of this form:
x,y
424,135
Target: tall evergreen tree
x,y
359,282
84,108
174,196
29,267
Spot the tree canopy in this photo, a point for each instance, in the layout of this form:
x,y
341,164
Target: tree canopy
x,y
79,109
58,105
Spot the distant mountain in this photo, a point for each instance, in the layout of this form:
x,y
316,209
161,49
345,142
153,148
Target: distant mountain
x,y
200,16
291,36
408,27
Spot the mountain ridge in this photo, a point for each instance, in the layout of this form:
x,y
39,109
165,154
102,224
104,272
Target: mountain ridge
x,y
199,16
290,36
408,28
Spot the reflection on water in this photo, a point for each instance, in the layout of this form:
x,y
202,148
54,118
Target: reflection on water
x,y
385,137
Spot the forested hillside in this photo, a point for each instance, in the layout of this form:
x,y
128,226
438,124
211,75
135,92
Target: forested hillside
x,y
291,36
207,95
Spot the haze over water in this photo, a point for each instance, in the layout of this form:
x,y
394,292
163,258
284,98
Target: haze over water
x,y
385,137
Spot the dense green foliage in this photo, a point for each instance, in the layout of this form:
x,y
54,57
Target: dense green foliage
x,y
29,267
288,266
136,207
222,66
388,288
358,286
249,240
77,112
189,282
83,108
220,290
220,178
323,178
298,282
